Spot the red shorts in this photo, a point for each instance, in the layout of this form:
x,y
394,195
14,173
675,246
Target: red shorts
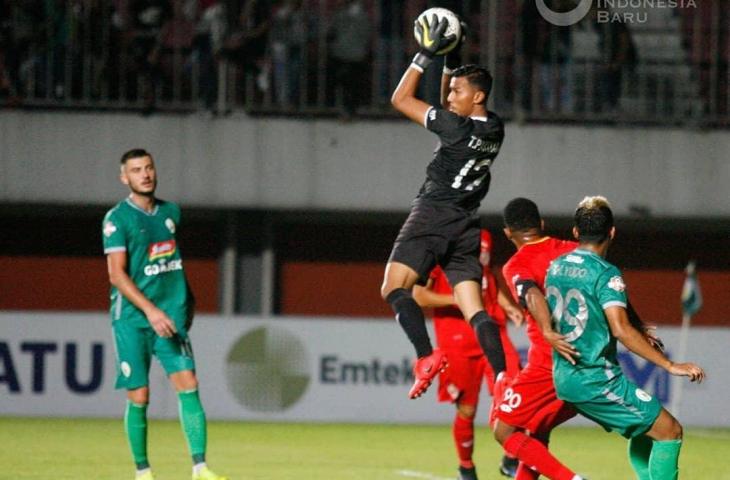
x,y
530,402
462,379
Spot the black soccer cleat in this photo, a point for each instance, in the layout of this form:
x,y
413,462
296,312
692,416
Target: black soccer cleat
x,y
508,467
467,473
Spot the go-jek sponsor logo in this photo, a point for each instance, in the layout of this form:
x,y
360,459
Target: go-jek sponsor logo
x,y
171,266
161,251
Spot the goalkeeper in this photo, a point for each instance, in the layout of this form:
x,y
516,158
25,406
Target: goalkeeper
x,y
443,226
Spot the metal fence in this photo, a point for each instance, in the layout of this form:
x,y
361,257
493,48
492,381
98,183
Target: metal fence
x,y
645,62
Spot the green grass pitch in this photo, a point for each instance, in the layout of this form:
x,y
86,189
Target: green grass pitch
x,y
54,449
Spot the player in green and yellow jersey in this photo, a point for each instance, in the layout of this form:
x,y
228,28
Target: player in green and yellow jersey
x,y
151,310
587,298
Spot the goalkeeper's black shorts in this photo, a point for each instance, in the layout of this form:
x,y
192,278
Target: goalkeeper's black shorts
x,y
435,234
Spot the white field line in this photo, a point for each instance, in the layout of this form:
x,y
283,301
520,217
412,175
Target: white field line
x,y
424,475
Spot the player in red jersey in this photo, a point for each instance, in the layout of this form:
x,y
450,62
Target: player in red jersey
x,y
529,408
468,368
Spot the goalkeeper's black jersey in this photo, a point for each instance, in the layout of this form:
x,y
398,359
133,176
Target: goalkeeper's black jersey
x,y
459,173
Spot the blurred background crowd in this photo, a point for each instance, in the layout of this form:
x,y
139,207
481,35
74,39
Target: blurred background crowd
x,y
344,57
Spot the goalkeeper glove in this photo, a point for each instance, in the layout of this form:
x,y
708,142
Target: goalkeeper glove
x,y
431,39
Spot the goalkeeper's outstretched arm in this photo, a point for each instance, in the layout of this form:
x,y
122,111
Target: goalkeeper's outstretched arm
x,y
404,97
431,38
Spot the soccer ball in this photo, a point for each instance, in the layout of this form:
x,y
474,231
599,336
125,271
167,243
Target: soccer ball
x,y
454,27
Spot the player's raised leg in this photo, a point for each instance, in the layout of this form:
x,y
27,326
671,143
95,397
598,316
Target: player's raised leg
x,y
664,458
396,290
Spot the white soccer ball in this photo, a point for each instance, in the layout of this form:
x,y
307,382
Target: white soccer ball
x,y
454,27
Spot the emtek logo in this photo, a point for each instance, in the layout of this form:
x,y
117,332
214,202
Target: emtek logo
x,y
333,370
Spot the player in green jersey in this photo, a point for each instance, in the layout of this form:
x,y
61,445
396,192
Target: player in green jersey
x,y
151,310
587,298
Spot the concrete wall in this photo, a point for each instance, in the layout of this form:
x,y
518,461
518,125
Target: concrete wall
x,y
241,161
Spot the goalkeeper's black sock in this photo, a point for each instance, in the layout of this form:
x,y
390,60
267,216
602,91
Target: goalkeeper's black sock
x,y
487,332
410,317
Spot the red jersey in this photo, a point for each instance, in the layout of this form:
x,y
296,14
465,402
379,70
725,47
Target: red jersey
x,y
530,263
452,331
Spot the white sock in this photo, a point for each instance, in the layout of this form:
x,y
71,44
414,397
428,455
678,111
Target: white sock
x,y
142,472
198,467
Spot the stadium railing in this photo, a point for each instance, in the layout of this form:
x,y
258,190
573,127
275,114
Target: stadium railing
x,y
100,55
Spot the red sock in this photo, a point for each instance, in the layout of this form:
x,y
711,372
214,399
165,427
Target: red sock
x,y
463,430
533,453
526,473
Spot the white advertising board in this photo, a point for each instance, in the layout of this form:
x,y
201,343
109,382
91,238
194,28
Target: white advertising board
x,y
284,369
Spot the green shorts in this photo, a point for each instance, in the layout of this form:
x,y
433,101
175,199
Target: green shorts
x,y
621,406
135,347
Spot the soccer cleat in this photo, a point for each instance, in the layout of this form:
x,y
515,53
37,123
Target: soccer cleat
x,y
145,476
425,369
508,467
206,473
467,473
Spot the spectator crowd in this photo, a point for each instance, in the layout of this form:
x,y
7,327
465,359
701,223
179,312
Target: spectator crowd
x,y
336,56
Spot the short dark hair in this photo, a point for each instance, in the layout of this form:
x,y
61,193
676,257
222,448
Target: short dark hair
x,y
593,219
521,214
478,76
134,153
